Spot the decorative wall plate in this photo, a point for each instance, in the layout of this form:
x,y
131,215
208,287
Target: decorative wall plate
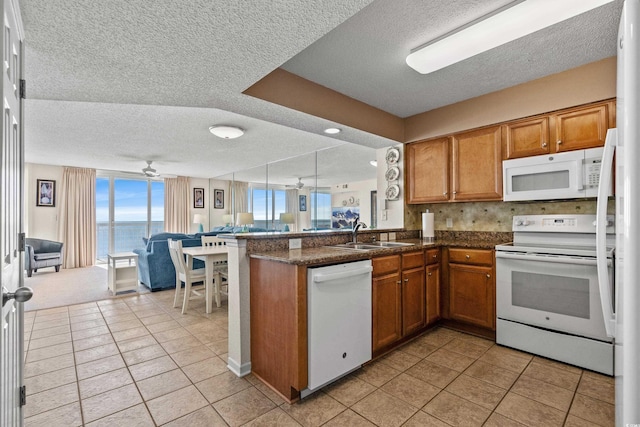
x,y
393,155
392,173
392,192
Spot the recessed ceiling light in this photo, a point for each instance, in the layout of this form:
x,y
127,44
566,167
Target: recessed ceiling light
x,y
332,131
226,132
373,163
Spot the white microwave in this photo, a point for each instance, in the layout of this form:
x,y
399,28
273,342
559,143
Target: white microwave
x,y
569,175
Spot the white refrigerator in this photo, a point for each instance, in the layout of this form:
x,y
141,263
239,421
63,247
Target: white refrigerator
x,y
622,307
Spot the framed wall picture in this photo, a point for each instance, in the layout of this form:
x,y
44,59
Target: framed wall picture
x,y
303,203
198,197
218,199
46,193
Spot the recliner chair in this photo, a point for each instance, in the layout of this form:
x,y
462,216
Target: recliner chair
x,y
40,253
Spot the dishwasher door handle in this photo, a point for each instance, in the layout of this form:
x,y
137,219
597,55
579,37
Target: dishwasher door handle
x,y
328,277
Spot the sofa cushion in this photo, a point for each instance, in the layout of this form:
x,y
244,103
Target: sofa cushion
x,y
50,255
166,236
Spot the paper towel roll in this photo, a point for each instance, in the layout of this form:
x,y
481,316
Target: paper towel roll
x,y
428,233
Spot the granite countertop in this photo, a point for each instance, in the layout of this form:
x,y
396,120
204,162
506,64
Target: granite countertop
x,y
331,255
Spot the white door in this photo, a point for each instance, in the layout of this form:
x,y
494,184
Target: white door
x,y
11,209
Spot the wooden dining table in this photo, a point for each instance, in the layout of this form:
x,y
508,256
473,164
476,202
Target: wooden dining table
x,y
210,255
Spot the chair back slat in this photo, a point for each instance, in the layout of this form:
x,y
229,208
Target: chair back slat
x,y
212,241
175,250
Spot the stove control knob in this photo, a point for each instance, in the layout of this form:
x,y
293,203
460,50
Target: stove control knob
x,y
522,222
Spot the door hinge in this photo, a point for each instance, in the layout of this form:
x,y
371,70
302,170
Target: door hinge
x,y
21,243
23,395
23,89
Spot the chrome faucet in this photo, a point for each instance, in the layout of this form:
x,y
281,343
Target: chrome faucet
x,y
357,226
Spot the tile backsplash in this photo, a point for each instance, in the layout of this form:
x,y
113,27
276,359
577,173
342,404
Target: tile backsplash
x,y
493,216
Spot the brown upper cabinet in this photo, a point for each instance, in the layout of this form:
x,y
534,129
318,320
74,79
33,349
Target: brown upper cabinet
x,y
428,171
566,130
470,163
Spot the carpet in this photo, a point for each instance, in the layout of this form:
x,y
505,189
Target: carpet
x,y
69,286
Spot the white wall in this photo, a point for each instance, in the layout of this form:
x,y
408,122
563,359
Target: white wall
x,y
215,215
390,212
356,193
41,221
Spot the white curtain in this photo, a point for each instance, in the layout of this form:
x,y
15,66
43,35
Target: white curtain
x,y
241,198
291,206
77,225
176,205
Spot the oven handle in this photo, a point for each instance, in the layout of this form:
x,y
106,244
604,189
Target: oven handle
x,y
559,260
606,167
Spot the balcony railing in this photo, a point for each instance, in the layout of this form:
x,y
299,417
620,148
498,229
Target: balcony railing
x,y
127,236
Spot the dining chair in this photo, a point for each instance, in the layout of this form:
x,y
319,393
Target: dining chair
x,y
186,274
221,276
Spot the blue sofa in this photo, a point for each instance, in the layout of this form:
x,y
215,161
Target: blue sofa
x,y
155,269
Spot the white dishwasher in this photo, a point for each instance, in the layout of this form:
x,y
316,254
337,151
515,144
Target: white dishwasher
x,y
338,321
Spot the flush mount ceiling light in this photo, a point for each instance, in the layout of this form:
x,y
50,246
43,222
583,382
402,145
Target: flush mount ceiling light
x,y
332,131
226,132
373,163
515,20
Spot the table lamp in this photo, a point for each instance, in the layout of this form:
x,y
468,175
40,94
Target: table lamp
x,y
286,219
199,219
227,219
244,219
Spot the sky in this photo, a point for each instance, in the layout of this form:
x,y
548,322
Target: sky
x,y
130,200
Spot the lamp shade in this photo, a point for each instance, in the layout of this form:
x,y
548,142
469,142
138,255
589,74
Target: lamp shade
x,y
244,218
287,218
198,219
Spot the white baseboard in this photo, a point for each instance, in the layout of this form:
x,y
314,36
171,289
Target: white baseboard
x,y
236,368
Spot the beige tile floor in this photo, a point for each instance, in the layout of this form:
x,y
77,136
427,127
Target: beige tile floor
x,y
136,361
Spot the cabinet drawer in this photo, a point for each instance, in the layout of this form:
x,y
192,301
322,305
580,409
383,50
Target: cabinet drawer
x,y
432,256
386,265
471,256
412,260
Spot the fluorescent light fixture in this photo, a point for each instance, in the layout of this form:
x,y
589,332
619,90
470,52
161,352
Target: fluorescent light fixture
x,y
516,20
226,132
373,163
332,131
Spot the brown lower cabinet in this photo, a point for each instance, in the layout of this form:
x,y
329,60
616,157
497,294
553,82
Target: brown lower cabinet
x,y
432,278
398,298
471,289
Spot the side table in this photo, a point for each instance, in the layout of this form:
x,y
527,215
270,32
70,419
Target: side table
x,y
123,272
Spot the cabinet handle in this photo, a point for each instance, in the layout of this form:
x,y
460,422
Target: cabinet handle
x,y
468,256
455,192
488,276
398,282
429,274
559,142
406,280
435,256
444,194
544,144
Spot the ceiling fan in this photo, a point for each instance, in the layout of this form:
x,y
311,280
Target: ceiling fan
x,y
298,185
149,171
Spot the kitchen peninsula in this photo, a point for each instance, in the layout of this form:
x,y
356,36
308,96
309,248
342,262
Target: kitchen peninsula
x,y
414,287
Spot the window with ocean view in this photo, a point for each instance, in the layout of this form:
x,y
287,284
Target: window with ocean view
x,y
126,211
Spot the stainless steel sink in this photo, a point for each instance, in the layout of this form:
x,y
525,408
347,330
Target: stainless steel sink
x,y
391,244
371,246
357,246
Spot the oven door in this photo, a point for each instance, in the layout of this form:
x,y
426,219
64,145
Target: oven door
x,y
559,293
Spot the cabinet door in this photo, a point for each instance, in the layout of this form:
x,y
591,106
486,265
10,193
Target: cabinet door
x,y
471,298
427,177
433,292
413,300
583,128
527,138
477,165
386,311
